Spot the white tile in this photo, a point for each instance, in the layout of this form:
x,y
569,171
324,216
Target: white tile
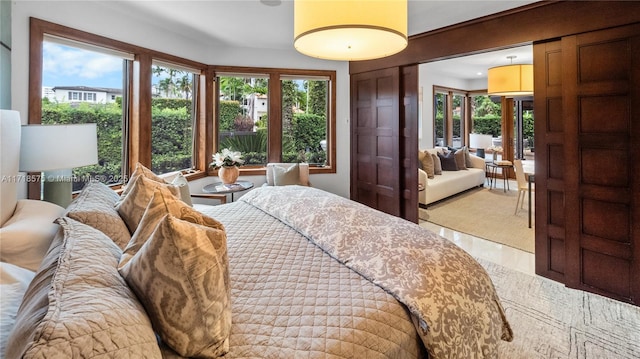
x,y
495,252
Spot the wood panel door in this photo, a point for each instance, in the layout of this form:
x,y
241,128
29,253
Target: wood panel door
x,y
409,143
375,140
589,180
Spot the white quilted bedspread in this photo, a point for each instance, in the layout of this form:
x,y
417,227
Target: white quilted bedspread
x,y
292,300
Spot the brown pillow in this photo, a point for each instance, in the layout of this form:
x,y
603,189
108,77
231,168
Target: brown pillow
x,y
437,165
161,204
448,161
460,158
181,276
421,159
132,205
427,165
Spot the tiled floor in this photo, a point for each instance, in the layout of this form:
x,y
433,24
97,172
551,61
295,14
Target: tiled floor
x,y
495,252
491,251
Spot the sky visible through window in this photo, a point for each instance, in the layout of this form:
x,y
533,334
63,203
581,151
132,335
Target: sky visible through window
x,y
68,66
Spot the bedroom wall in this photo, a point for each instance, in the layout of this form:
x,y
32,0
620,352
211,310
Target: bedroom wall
x,y
427,79
5,54
107,20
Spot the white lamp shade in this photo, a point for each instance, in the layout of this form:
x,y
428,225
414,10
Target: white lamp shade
x,y
56,147
477,140
510,80
350,30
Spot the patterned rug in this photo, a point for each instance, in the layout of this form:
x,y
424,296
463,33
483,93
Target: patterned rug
x,y
552,321
485,213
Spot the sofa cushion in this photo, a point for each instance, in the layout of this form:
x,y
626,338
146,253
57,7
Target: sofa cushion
x,y
286,176
94,206
448,161
78,305
437,165
181,276
425,163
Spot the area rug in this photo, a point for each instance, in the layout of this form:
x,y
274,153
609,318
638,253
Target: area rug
x,y
550,320
485,213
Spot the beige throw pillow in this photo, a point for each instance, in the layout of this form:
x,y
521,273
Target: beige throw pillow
x,y
181,276
437,166
162,203
427,164
94,206
286,176
141,170
461,158
181,182
132,205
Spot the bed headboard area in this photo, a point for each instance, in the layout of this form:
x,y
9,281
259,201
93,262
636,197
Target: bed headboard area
x,y
9,158
26,226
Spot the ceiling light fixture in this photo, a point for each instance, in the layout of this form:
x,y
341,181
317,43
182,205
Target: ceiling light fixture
x,y
510,80
350,30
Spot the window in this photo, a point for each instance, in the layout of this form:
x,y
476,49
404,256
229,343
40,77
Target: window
x,y
64,66
243,115
440,118
153,111
450,117
304,120
172,118
296,125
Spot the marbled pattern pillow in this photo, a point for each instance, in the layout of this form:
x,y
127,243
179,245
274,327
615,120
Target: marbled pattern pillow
x,y
161,204
94,206
141,170
132,205
181,276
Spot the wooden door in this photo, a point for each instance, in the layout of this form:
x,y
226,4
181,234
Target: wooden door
x,y
409,143
375,140
589,182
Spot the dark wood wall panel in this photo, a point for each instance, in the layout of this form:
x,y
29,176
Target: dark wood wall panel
x,y
550,142
602,238
375,162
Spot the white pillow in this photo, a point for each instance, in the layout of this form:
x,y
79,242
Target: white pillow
x,y
181,182
27,235
14,281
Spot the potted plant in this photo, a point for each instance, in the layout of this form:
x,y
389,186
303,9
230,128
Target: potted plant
x,y
227,163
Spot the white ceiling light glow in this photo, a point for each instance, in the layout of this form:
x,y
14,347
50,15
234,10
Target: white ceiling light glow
x,y
350,30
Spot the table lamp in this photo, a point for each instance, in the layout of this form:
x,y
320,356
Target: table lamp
x,y
56,150
480,143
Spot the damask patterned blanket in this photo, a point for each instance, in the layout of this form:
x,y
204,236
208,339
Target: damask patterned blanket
x,y
451,298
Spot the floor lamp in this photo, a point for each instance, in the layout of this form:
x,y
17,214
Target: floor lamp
x,y
56,150
480,143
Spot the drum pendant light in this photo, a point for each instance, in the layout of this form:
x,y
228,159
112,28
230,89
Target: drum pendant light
x,y
510,80
350,30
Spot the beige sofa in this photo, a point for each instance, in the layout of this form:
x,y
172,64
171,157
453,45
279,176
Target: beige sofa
x,y
450,183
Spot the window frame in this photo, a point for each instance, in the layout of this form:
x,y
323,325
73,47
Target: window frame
x,y
274,148
137,122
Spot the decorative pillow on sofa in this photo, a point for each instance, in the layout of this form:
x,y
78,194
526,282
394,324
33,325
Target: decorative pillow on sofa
x,y
286,176
132,205
448,161
78,305
181,276
460,157
437,165
94,206
427,163
161,204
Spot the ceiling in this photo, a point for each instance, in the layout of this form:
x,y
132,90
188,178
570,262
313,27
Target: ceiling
x,y
269,23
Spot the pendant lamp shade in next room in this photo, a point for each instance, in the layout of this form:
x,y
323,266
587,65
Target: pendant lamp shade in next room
x,y
350,30
510,80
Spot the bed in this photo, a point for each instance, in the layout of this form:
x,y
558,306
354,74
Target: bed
x,y
299,272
